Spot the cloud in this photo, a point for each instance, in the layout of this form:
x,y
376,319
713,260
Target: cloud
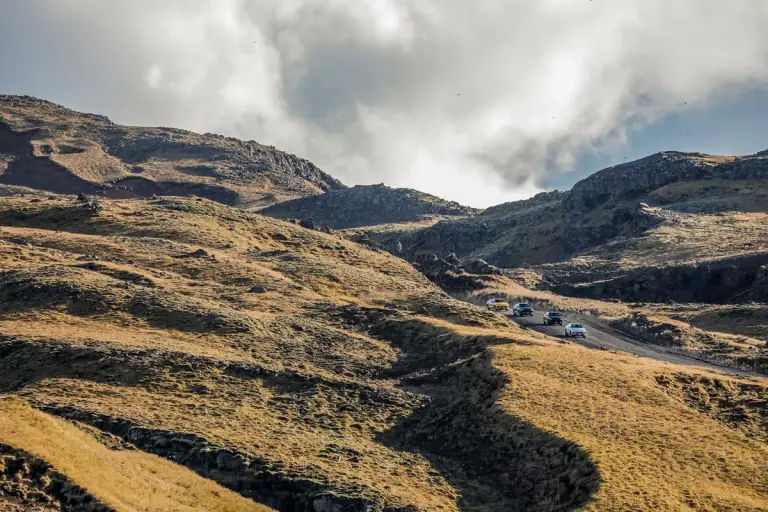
x,y
480,101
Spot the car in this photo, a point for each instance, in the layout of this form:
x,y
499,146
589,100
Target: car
x,y
522,309
552,318
497,305
573,330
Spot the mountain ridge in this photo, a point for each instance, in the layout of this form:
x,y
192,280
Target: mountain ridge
x,y
51,147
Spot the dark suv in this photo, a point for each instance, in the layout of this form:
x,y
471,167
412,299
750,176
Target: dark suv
x,y
552,318
522,309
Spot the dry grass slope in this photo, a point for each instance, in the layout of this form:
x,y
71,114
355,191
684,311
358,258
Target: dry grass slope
x,y
122,480
305,371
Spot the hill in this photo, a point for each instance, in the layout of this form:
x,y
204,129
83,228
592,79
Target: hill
x,y
367,205
307,372
49,147
680,226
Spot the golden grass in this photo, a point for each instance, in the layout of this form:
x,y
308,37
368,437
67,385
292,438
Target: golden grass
x,y
311,394
653,452
689,237
247,417
129,481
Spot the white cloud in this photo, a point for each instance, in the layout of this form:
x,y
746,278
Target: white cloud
x,y
476,101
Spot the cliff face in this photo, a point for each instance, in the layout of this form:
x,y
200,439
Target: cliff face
x,y
367,205
44,145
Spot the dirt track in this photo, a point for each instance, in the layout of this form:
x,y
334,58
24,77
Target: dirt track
x,y
602,337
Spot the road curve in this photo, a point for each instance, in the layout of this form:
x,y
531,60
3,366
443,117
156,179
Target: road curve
x,y
602,337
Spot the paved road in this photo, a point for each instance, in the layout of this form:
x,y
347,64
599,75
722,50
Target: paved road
x,y
603,337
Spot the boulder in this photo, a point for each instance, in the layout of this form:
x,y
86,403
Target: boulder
x,y
200,253
479,266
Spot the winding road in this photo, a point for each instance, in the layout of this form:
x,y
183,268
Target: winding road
x,y
602,337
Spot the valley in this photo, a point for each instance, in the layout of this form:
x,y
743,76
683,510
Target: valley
x,y
228,351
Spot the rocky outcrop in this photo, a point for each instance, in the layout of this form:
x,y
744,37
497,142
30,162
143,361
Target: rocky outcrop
x,y
367,205
731,280
647,174
455,276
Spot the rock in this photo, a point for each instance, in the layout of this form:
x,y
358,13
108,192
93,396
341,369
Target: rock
x,y
200,253
228,461
452,259
307,223
258,289
81,197
93,206
479,266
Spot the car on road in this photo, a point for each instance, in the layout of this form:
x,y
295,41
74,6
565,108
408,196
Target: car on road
x,y
553,318
497,305
573,330
522,309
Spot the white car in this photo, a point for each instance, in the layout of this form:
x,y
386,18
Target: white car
x,y
573,330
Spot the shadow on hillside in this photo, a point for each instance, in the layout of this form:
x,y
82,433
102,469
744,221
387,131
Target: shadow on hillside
x,y
40,172
497,461
25,361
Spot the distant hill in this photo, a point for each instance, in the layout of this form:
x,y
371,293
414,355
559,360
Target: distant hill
x,y
49,147
367,205
667,209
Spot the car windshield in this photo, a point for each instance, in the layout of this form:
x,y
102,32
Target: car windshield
x,y
576,326
553,314
523,305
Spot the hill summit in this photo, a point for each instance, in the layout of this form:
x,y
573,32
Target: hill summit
x,y
50,147
367,205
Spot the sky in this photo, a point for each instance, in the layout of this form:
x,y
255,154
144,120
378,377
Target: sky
x,y
480,102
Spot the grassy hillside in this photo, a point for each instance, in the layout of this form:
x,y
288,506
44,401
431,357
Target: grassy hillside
x,y
307,372
111,476
47,146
